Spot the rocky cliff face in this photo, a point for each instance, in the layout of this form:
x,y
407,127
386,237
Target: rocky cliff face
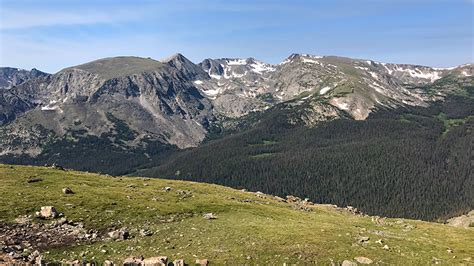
x,y
156,100
175,101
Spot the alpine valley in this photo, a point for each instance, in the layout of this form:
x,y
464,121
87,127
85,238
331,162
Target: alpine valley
x,y
390,139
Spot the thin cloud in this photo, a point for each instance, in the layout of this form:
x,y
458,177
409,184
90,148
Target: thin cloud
x,y
29,18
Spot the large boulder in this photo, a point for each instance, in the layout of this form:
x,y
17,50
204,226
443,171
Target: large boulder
x,y
209,216
202,262
156,261
133,261
67,190
178,263
47,212
363,260
348,263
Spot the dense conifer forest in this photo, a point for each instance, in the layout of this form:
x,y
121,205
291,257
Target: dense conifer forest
x,y
411,162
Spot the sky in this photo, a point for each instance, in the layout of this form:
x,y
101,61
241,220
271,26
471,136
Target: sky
x,y
53,34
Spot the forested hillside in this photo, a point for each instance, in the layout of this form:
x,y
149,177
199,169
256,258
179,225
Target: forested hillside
x,y
411,162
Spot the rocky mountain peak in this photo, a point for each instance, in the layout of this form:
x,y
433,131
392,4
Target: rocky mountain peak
x,y
183,65
10,77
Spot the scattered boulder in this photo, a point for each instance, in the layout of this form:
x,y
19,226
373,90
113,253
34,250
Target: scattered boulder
x,y
353,210
47,212
56,166
60,222
121,234
145,232
167,189
133,261
34,180
363,260
209,216
67,190
108,263
35,257
184,193
463,221
156,261
23,219
386,247
363,239
298,203
280,199
179,263
348,263
202,262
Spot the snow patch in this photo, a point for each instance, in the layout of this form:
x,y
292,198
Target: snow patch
x,y
464,73
324,90
198,82
49,108
374,75
307,60
312,56
212,93
260,67
286,61
236,62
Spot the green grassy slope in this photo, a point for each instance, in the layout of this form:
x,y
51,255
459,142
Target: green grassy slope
x,y
249,228
113,67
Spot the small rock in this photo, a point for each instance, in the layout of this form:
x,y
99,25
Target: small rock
x,y
167,188
108,263
363,260
121,234
67,190
209,216
145,232
348,263
449,250
34,180
61,221
202,262
34,256
386,247
178,263
47,212
363,239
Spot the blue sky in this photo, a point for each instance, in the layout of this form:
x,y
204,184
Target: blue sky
x,y
53,34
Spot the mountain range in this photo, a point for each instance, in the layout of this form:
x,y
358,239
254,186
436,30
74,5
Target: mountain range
x,y
176,101
125,114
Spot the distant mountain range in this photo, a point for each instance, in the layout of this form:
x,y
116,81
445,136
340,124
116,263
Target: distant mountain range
x,y
175,101
124,114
